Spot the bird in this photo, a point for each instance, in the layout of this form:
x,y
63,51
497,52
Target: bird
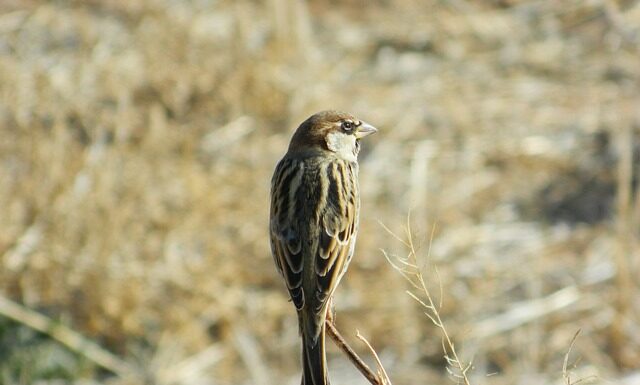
x,y
313,224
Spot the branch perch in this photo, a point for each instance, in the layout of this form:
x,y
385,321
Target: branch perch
x,y
373,378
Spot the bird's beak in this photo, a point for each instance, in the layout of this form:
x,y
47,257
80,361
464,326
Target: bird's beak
x,y
365,129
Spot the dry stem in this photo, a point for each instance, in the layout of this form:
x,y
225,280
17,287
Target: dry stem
x,y
624,281
382,373
566,372
409,269
355,359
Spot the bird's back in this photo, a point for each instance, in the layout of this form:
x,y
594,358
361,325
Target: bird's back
x,y
314,208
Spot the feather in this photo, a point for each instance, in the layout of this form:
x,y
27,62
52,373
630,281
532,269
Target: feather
x,y
314,223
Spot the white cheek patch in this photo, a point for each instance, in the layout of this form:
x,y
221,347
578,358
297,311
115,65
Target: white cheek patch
x,y
342,144
335,141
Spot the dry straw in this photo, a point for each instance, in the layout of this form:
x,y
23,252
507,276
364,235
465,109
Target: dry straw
x,y
137,140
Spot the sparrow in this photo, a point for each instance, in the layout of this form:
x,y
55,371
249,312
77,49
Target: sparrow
x,y
313,224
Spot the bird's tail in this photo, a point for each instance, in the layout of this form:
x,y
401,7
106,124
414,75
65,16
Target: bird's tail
x,y
314,363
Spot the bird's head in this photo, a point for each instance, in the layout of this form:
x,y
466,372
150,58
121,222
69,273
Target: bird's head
x,y
333,131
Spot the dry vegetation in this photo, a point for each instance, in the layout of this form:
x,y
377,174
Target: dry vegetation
x,y
137,141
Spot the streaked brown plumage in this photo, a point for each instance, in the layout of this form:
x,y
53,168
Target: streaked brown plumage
x,y
314,222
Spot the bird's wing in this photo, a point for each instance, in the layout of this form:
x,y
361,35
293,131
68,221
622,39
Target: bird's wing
x,y
338,229
334,205
286,243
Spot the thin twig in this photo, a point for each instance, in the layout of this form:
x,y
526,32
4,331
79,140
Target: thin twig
x,y
566,374
382,373
624,279
413,274
351,354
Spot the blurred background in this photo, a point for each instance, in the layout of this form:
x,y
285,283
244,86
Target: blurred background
x,y
137,142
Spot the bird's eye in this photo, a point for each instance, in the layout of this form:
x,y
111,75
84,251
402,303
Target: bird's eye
x,y
347,126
